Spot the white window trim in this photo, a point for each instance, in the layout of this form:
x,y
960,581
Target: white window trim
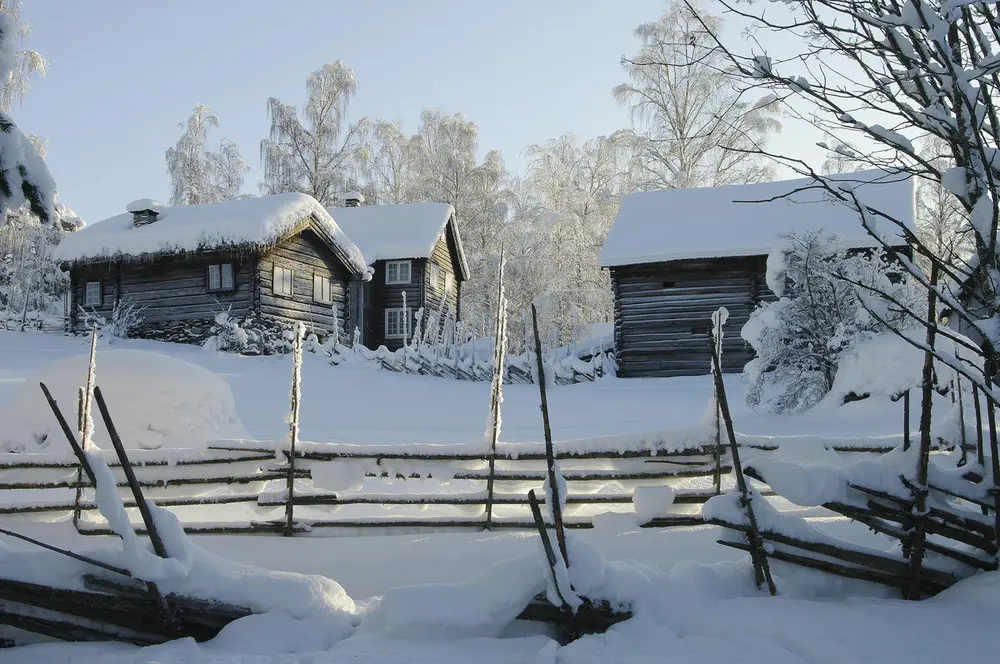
x,y
317,279
434,276
405,323
217,274
275,281
399,265
86,294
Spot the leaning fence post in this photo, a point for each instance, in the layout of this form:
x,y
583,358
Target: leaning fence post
x,y
496,388
293,428
906,420
550,457
761,568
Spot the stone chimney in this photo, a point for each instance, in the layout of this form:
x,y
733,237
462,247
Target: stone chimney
x,y
144,211
354,199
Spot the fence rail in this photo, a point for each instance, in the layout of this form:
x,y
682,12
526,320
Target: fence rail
x,y
241,486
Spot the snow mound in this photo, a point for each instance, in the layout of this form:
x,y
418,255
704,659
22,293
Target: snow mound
x,y
155,400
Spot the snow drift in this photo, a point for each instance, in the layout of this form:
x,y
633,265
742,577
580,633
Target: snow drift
x,y
155,400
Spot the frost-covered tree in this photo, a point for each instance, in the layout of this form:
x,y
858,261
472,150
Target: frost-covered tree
x,y
316,154
27,62
389,164
819,315
24,178
942,223
573,192
694,126
198,175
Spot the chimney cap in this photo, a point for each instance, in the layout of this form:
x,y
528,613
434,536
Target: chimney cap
x,y
355,197
144,204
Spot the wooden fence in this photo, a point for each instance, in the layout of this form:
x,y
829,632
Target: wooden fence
x,y
340,488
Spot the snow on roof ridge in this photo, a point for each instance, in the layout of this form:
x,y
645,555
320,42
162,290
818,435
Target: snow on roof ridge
x,y
254,222
397,231
712,222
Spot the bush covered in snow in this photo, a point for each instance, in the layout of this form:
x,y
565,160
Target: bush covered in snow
x,y
249,336
126,317
155,400
825,304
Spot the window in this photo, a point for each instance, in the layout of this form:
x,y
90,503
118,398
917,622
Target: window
x,y
397,272
700,329
220,277
321,289
435,276
449,282
669,284
282,281
396,324
92,297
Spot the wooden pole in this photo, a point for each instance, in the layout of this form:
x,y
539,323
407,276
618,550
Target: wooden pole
x,y
906,420
293,430
550,460
140,501
991,421
70,554
761,568
961,420
550,555
496,391
79,469
980,453
717,453
918,534
70,436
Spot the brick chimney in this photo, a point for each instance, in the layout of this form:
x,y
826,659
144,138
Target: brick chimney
x,y
354,199
144,211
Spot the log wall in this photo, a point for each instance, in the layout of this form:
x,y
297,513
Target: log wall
x,y
663,313
307,256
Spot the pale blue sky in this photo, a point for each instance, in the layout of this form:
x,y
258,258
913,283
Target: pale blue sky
x,y
122,74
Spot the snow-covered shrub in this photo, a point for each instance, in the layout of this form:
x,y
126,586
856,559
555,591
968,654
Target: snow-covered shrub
x,y
126,317
825,296
250,336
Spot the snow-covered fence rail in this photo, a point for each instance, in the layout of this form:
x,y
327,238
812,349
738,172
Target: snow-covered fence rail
x,y
240,486
566,365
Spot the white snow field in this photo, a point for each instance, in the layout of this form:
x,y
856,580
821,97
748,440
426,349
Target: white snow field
x,y
451,597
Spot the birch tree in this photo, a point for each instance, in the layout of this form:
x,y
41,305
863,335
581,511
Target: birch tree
x,y
317,153
694,126
27,62
198,175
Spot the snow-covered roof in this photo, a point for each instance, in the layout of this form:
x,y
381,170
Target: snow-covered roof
x,y
388,232
713,222
144,204
254,223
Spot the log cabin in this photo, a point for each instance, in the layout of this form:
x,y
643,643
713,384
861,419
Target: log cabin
x,y
414,252
276,259
677,255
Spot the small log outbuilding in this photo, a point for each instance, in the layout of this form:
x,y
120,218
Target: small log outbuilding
x,y
677,255
278,258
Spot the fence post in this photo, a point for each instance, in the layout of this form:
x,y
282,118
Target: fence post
x,y
716,347
79,467
293,427
496,388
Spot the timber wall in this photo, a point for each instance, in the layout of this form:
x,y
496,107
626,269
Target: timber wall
x,y
663,314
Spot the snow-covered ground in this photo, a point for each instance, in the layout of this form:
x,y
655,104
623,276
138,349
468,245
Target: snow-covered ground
x,y
448,597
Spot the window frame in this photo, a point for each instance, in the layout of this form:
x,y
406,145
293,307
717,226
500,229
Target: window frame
x,y
275,281
318,277
434,275
100,293
398,265
220,271
403,323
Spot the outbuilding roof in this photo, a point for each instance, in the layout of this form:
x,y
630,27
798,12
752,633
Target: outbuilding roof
x,y
715,222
